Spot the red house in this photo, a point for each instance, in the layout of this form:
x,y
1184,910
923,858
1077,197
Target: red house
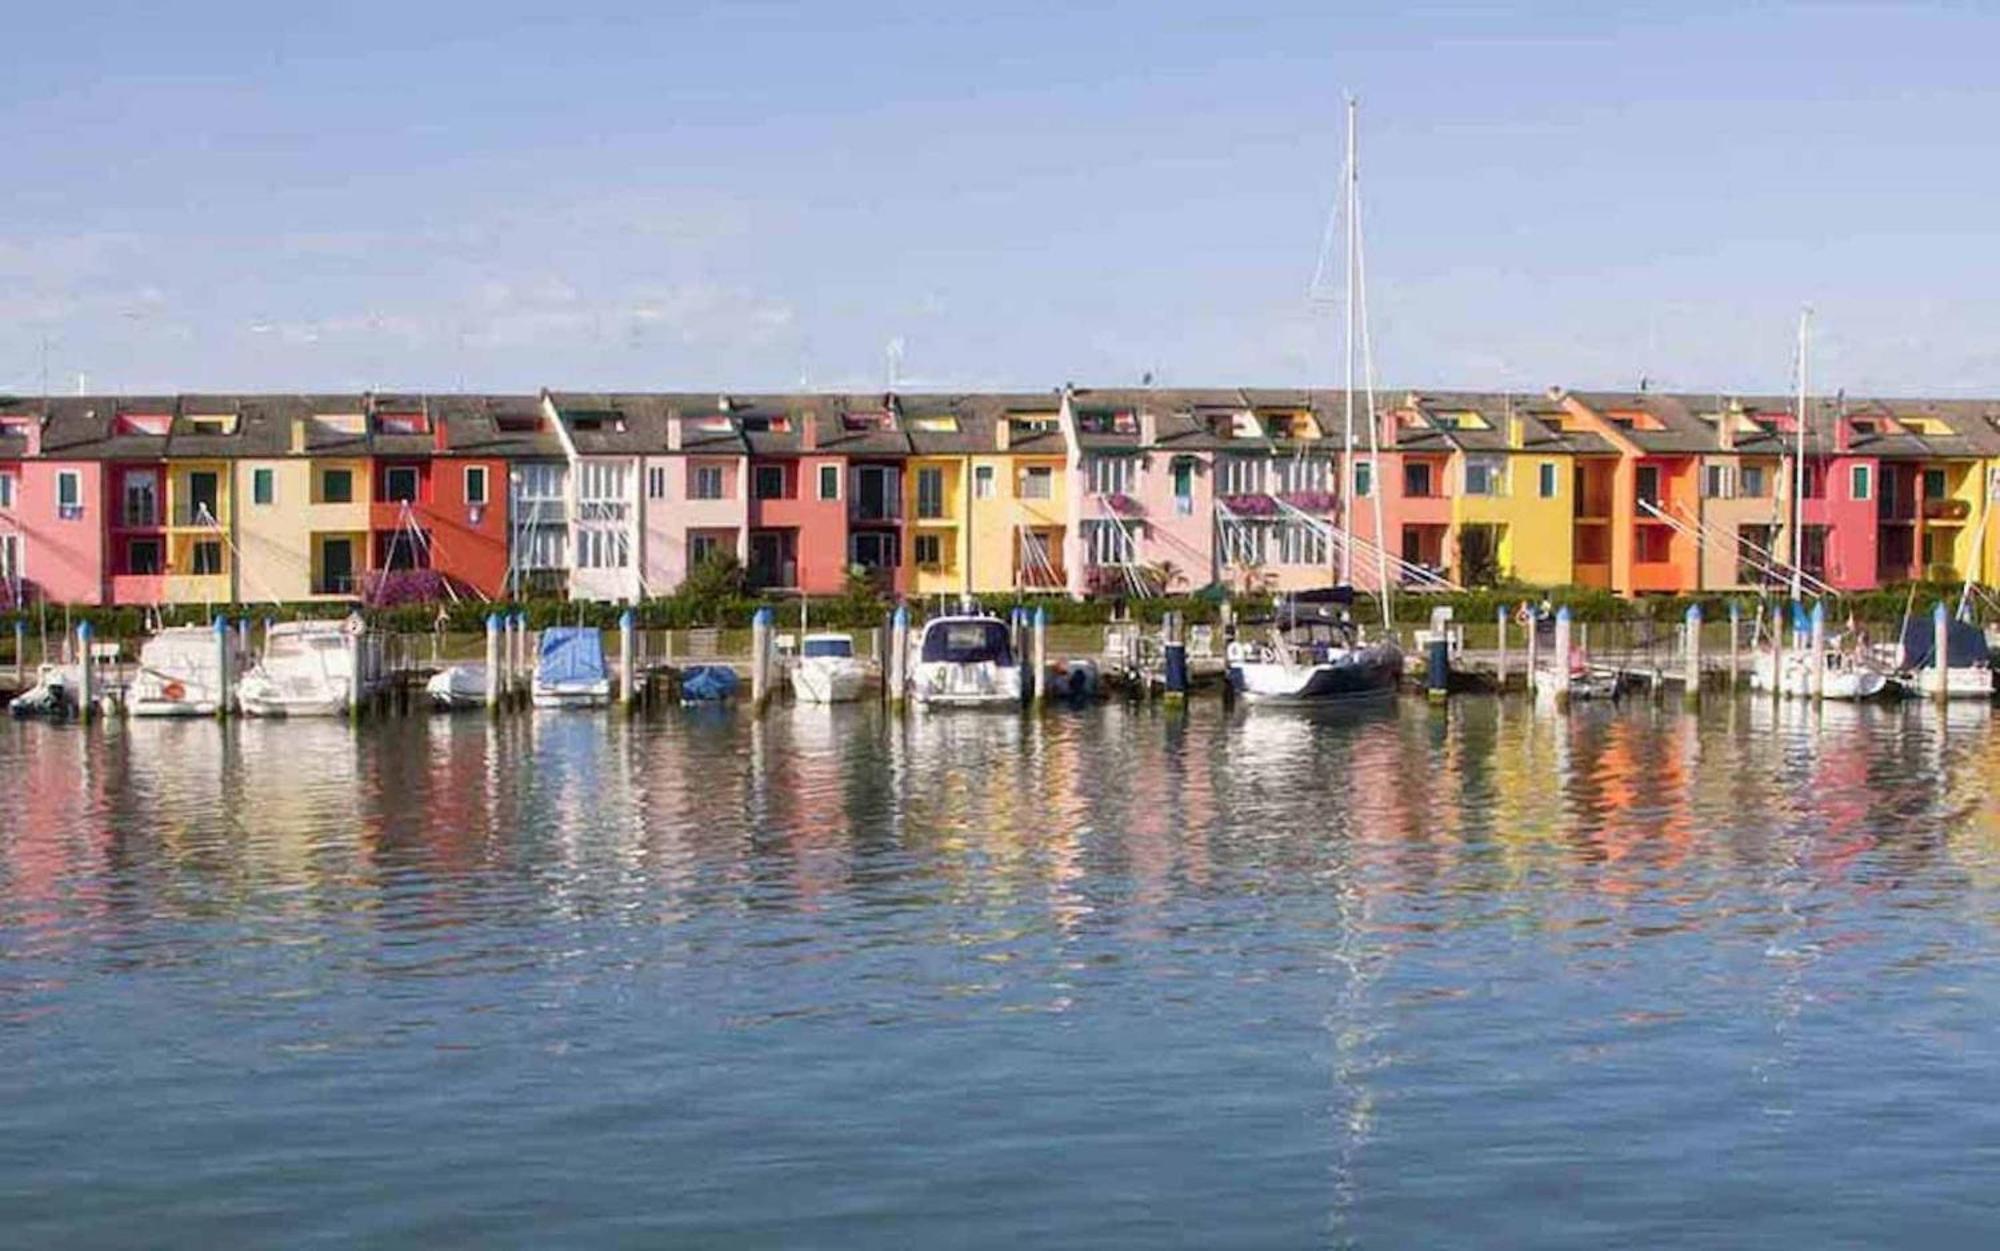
x,y
440,489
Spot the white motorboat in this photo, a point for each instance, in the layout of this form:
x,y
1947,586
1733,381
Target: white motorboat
x,y
313,669
1585,681
180,672
569,669
1312,652
965,661
826,670
54,694
457,687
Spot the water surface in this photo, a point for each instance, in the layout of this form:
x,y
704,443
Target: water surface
x,y
1102,978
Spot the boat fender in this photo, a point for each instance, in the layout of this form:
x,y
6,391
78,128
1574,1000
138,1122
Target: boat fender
x,y
174,692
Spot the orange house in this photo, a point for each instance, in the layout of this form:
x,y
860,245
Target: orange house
x,y
1655,504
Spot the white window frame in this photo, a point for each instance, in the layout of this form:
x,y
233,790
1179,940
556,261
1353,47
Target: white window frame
x,y
1298,475
1548,480
1861,482
7,489
884,543
1244,475
1301,543
931,474
479,474
984,482
828,472
69,482
1718,482
1038,482
1108,544
704,476
701,547
1111,475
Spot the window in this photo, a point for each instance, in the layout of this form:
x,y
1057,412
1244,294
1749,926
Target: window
x,y
1110,475
1751,482
703,548
1242,475
336,486
1364,479
1107,543
603,482
768,483
6,490
10,557
1934,484
601,549
1183,474
1038,482
1416,479
263,486
707,483
1815,482
475,485
1246,544
69,494
399,484
1715,482
930,493
207,558
1753,552
656,482
1546,480
142,557
1655,544
877,494
1301,544
829,482
1861,482
1485,476
982,482
541,547
873,549
1304,475
141,500
1649,486
930,551
540,482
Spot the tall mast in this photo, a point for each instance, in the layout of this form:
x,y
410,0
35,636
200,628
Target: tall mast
x,y
1799,462
1352,199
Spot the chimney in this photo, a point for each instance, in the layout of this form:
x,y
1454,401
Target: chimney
x,y
1149,428
298,436
440,442
1725,429
1003,433
809,430
1843,430
674,432
1517,431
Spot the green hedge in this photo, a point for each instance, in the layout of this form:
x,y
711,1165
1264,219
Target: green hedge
x,y
851,612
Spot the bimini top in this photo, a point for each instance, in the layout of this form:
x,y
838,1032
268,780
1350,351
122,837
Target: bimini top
x,y
967,641
1325,604
1965,645
570,654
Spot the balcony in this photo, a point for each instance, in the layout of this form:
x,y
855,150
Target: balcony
x,y
875,511
1947,511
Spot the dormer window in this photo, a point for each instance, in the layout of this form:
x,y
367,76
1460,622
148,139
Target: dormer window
x,y
1088,421
151,425
767,424
212,423
402,423
591,421
936,424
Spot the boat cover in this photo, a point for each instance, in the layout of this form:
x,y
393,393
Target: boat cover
x,y
967,641
1965,644
707,684
571,655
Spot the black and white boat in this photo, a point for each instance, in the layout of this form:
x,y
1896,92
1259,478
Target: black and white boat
x,y
1312,651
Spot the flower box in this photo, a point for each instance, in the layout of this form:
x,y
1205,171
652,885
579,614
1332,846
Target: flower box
x,y
1312,501
1251,505
1123,505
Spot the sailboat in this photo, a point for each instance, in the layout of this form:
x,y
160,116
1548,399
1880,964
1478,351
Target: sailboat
x,y
1313,651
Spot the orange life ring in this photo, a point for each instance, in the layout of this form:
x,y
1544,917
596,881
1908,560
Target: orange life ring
x,y
174,691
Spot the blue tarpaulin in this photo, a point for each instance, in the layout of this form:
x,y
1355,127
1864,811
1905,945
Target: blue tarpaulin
x,y
571,655
1965,644
707,684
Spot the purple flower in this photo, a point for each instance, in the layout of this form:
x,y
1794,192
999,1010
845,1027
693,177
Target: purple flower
x,y
1122,504
1312,501
1251,505
392,588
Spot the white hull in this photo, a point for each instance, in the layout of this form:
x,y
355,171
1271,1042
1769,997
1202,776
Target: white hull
x,y
563,695
1839,682
457,688
165,708
978,685
319,705
1588,684
1966,682
823,681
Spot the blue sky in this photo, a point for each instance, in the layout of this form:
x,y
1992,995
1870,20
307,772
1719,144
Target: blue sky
x,y
429,195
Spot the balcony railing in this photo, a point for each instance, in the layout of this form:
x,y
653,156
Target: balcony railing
x,y
874,510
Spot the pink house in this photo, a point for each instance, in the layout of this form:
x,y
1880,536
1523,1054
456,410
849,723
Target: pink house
x,y
1838,510
695,495
55,525
1142,465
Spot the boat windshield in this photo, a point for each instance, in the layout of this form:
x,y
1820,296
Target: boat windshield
x,y
839,648
967,642
280,646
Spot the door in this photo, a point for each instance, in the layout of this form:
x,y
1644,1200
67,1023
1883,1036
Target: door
x,y
336,565
771,559
1649,484
141,500
203,493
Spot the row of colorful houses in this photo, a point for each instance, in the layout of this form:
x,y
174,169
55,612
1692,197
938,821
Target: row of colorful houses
x,y
218,498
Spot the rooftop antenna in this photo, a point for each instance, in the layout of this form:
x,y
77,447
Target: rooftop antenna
x,y
1799,459
894,353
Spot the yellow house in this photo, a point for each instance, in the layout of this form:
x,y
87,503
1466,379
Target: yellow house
x,y
1019,504
200,520
303,525
1511,480
937,481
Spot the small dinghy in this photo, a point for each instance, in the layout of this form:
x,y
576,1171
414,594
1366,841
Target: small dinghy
x,y
53,696
457,688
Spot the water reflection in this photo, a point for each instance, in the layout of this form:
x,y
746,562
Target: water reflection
x,y
1398,966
